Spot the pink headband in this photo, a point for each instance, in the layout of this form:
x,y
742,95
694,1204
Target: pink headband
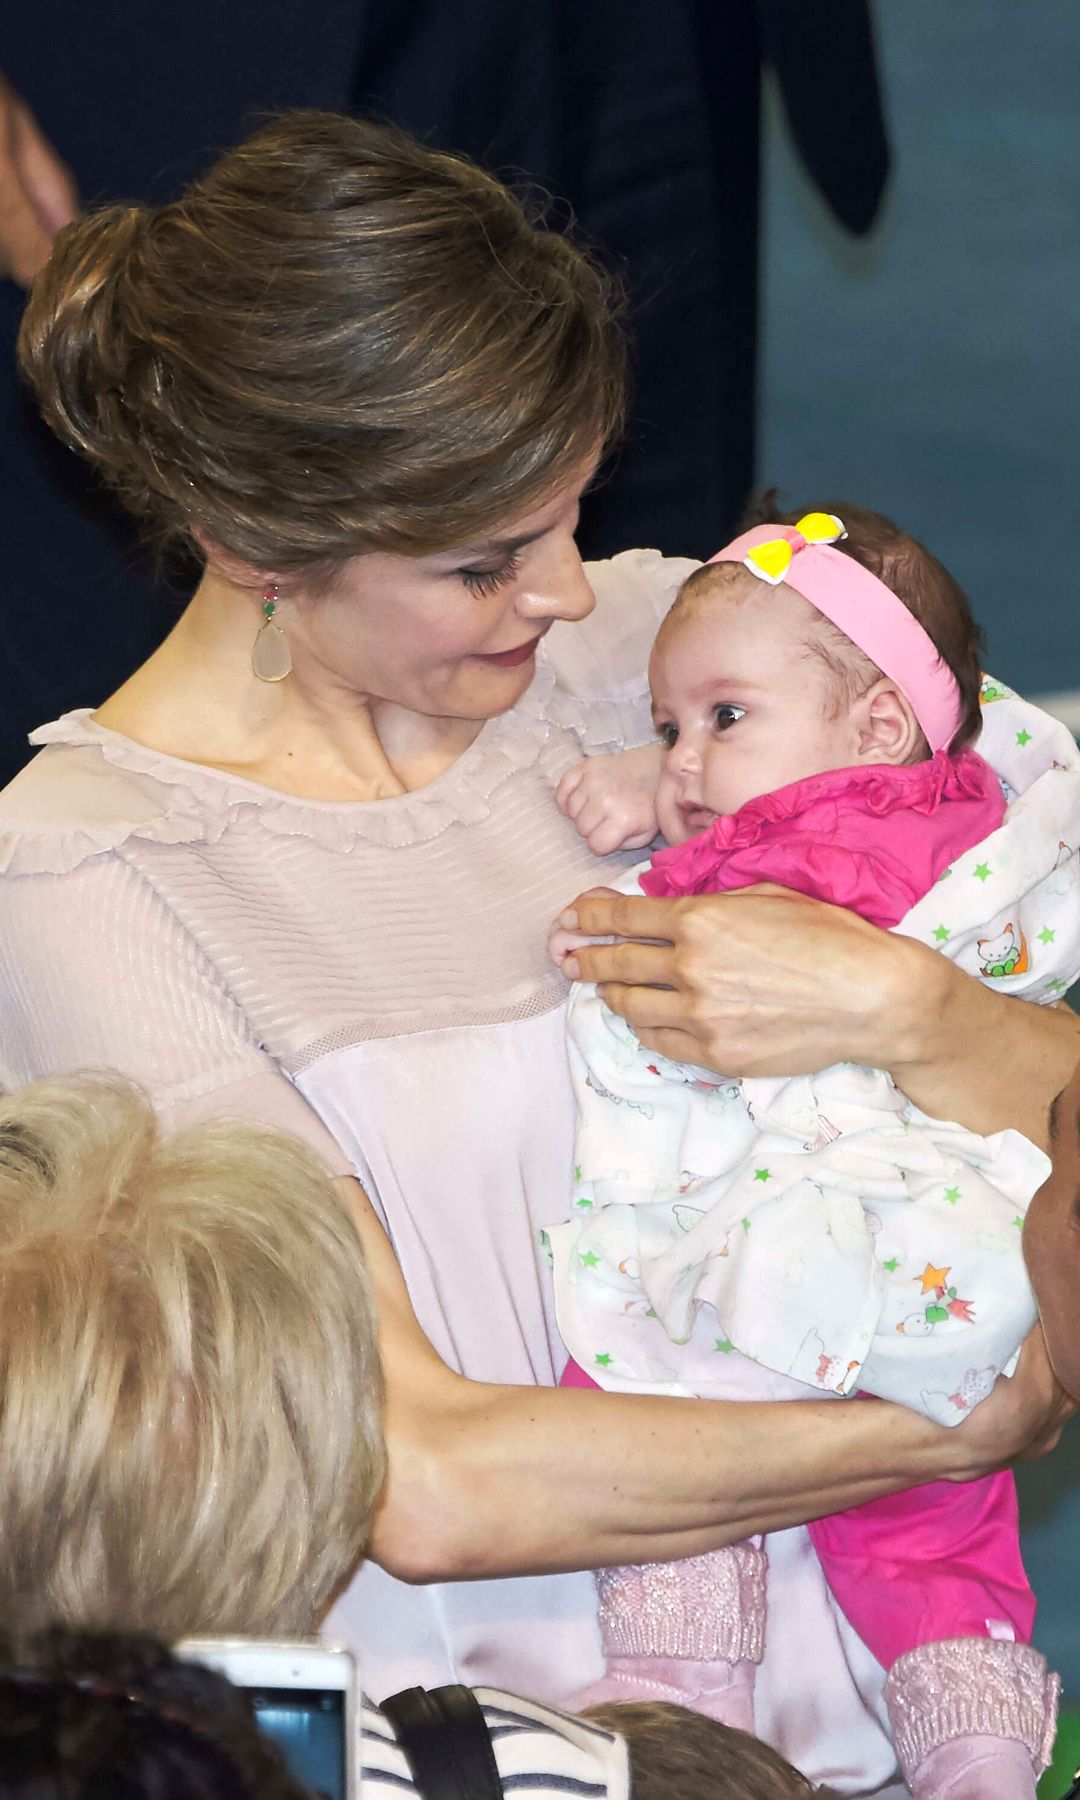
x,y
860,606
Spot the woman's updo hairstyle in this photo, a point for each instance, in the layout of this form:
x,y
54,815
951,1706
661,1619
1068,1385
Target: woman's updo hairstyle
x,y
337,341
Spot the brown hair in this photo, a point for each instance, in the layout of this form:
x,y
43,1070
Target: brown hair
x,y
86,1714
190,1394
909,571
676,1754
337,341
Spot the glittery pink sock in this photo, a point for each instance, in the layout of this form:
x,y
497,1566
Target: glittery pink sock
x,y
691,1632
722,1690
973,1718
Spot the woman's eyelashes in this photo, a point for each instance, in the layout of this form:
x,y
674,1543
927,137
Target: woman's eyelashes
x,y
489,581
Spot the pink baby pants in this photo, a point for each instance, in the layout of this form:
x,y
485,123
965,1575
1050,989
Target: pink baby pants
x,y
933,1582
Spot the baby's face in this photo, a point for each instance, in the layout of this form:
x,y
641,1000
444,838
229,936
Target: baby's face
x,y
742,707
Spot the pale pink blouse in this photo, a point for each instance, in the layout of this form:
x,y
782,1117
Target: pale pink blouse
x,y
374,976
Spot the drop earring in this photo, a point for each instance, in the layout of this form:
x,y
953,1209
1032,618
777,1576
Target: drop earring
x,y
271,659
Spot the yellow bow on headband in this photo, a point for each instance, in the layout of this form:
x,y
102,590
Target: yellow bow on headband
x,y
772,559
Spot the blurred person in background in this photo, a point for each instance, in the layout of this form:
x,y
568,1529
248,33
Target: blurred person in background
x,y
644,121
190,1446
88,1715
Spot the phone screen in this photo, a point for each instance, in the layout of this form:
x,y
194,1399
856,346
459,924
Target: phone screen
x,y
308,1725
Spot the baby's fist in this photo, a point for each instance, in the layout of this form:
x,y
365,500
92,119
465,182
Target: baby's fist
x,y
612,799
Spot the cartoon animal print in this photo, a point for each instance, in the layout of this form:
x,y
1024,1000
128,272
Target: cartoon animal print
x,y
1066,859
943,1304
598,1087
974,1386
726,1087
686,1217
829,1371
827,1133
832,1374
991,691
1006,954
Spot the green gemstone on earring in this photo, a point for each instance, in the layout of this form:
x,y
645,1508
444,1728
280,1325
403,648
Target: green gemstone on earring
x,y
269,609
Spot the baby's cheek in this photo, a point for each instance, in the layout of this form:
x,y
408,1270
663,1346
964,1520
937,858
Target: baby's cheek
x,y
672,828
738,771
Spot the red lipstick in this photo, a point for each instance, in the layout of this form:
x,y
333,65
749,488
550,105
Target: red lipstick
x,y
512,659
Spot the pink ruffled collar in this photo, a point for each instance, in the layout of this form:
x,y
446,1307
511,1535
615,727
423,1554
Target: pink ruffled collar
x,y
870,790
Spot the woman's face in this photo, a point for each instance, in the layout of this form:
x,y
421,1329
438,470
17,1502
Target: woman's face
x,y
452,635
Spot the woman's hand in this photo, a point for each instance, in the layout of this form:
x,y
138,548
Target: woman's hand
x,y
1021,1421
760,980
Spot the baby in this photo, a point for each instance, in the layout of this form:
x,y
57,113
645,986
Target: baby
x,y
816,691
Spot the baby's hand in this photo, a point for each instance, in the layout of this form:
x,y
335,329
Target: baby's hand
x,y
612,799
563,942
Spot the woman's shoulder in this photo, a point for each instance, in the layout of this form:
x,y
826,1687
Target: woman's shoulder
x,y
591,676
84,795
611,647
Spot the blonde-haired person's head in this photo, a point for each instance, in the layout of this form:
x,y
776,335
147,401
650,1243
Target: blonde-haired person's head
x,y
190,1393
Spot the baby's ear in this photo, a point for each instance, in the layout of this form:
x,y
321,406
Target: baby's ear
x,y
888,729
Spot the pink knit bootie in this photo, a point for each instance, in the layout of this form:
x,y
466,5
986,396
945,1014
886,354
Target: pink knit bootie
x,y
973,1719
691,1632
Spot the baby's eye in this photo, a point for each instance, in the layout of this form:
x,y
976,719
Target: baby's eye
x,y
726,716
668,735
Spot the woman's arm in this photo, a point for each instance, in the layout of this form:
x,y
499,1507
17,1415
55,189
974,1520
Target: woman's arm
x,y
764,982
1052,1240
488,1480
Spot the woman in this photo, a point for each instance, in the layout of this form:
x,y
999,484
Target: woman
x,y
372,391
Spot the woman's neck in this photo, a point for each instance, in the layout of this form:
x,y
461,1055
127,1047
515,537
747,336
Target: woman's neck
x,y
197,699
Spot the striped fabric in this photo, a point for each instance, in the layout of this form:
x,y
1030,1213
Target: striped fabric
x,y
541,1755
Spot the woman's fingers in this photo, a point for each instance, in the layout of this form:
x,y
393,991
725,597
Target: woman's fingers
x,y
627,963
645,1008
1050,1406
1023,1417
603,913
774,983
677,1046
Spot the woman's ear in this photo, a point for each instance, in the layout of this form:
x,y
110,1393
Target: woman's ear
x,y
233,568
888,731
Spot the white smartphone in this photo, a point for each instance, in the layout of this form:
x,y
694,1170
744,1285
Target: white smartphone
x,y
304,1695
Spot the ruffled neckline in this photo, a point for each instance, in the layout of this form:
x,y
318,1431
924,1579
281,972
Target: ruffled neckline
x,y
197,803
869,789
174,801
875,788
